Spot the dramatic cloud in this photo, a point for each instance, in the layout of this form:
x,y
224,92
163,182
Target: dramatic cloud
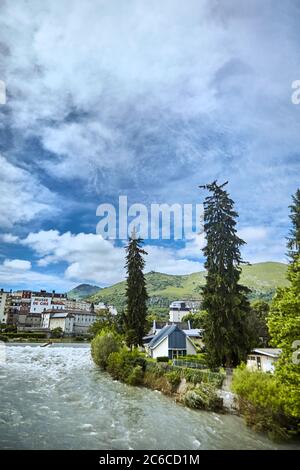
x,y
18,272
148,99
90,258
22,197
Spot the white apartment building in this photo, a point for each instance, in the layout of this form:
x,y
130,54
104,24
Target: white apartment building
x,y
178,310
39,304
3,312
76,304
76,322
63,320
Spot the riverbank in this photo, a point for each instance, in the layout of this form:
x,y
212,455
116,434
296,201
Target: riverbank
x,y
196,387
56,398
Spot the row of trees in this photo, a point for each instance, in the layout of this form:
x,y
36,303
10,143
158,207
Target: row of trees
x,y
232,325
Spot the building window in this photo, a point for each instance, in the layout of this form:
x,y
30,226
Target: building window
x,y
174,353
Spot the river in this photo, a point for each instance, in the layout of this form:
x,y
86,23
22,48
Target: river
x,y
55,398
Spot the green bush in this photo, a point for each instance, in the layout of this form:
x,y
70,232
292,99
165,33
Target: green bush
x,y
203,397
162,359
3,338
203,376
105,343
127,366
136,376
198,359
261,401
57,332
79,338
174,377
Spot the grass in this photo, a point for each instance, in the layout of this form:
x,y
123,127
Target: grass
x,y
262,278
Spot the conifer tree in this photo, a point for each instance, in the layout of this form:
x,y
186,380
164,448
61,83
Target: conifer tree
x,y
227,334
136,293
293,244
284,321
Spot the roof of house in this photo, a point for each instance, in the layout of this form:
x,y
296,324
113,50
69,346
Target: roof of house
x,y
271,352
163,333
61,315
194,332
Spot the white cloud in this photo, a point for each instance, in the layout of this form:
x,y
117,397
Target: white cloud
x,y
253,234
22,197
90,258
193,246
17,264
8,238
19,273
170,261
146,71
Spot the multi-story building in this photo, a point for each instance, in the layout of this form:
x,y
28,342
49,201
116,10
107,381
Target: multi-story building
x,y
178,310
81,320
43,300
3,309
76,304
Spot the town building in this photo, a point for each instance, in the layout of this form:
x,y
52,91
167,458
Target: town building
x,y
63,320
196,334
81,320
178,310
263,359
172,342
44,300
3,309
76,304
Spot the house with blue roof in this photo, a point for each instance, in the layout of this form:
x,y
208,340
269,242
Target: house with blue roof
x,y
171,341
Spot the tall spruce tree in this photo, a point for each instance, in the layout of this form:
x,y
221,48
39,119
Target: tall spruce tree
x,y
136,293
227,334
284,321
293,244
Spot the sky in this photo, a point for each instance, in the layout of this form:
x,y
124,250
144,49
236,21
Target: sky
x,y
147,99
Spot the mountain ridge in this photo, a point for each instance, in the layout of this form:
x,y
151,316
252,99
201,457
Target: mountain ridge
x,y
261,278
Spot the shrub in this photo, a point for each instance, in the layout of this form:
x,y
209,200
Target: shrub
x,y
104,344
79,338
157,381
261,401
136,376
57,332
127,366
25,334
3,338
162,359
203,397
174,377
196,376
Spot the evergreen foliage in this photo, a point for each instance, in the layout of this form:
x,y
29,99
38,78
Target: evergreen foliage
x,y
135,320
227,335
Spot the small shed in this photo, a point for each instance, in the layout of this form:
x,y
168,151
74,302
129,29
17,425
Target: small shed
x,y
263,359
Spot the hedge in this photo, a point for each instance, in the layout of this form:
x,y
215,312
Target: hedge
x,y
23,334
195,376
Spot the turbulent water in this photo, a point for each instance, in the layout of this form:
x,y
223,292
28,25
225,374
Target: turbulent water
x,y
55,398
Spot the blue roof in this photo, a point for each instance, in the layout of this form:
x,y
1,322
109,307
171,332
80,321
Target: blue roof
x,y
166,331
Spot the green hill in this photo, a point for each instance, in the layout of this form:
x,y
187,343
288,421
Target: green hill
x,y
261,278
82,291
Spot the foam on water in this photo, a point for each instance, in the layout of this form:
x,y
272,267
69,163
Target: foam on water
x,y
55,398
